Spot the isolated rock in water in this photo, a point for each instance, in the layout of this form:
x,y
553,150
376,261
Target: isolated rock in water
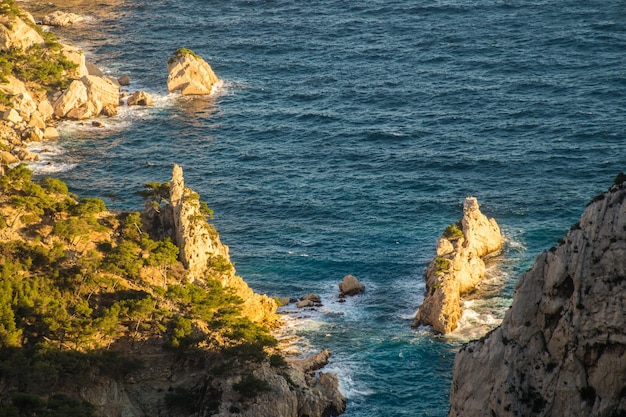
x,y
189,74
312,297
124,80
305,303
561,348
140,98
62,19
458,267
15,33
350,286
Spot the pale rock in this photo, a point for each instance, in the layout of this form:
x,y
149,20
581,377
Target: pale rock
x,y
92,69
45,109
72,98
8,157
312,297
20,35
560,349
12,86
350,286
190,75
33,134
109,110
50,133
202,252
25,104
457,268
76,56
62,19
305,303
36,120
313,362
102,92
140,98
26,155
12,115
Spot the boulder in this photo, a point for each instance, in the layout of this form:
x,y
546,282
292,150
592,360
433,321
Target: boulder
x,y
72,98
76,56
560,348
50,133
12,86
32,134
350,286
92,69
283,301
12,115
25,104
458,267
305,303
124,80
45,109
312,297
36,120
16,33
102,92
189,74
62,19
140,98
8,157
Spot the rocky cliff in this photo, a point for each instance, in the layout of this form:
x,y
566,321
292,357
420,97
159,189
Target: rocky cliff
x,y
458,267
202,252
561,348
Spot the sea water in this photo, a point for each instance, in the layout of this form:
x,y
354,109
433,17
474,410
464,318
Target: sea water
x,y
344,139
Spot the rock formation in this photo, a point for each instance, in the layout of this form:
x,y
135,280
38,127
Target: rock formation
x,y
140,98
202,252
88,97
15,33
189,74
350,286
458,267
561,348
62,19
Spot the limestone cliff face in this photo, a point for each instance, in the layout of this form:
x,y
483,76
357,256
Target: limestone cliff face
x,y
202,252
16,33
189,74
458,267
561,348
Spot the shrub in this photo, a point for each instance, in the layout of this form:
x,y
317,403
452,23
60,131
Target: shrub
x,y
250,386
87,206
180,52
442,265
453,232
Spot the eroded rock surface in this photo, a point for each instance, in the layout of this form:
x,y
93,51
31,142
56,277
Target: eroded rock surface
x,y
561,348
458,267
190,74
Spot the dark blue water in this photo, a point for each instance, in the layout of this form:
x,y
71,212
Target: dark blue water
x,y
346,136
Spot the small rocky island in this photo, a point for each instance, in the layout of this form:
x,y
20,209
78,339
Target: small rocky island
x,y
458,267
561,348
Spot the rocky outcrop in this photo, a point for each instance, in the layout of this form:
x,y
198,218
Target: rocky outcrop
x,y
189,74
88,97
350,286
458,267
62,19
140,98
15,33
561,348
202,252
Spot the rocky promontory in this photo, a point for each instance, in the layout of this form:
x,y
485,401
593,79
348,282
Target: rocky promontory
x,y
561,348
458,267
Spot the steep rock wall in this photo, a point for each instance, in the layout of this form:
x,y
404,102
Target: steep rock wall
x,y
457,268
561,348
202,252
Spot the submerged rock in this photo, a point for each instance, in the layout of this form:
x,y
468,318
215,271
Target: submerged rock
x,y
458,267
189,74
561,348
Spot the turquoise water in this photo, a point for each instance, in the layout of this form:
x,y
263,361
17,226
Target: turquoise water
x,y
344,139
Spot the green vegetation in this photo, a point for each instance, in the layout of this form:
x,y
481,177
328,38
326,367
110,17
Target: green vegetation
x,y
442,265
77,281
453,231
180,52
42,64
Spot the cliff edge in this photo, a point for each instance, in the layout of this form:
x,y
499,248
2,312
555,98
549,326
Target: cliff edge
x,y
560,348
458,267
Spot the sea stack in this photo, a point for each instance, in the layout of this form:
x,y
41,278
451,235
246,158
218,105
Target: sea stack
x,y
560,350
189,73
458,267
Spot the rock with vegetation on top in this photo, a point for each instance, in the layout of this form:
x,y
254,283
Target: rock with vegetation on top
x,y
15,33
189,74
458,267
62,19
350,286
561,348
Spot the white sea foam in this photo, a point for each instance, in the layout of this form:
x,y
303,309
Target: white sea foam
x,y
50,158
